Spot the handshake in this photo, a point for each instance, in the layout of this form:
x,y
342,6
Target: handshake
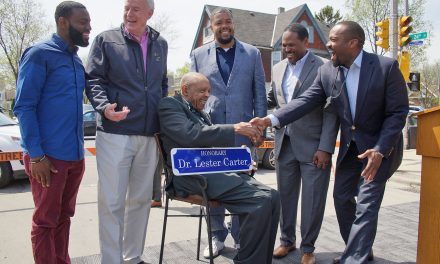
x,y
253,129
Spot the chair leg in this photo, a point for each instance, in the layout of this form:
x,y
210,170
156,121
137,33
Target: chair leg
x,y
208,218
199,232
164,229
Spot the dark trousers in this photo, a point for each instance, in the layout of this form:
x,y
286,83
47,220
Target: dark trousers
x,y
54,206
292,176
258,207
357,205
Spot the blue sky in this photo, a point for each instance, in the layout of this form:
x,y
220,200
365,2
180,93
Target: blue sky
x,y
185,15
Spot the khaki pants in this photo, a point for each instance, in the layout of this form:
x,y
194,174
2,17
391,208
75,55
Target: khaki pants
x,y
126,166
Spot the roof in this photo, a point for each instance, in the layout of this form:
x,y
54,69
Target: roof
x,y
283,20
262,29
254,28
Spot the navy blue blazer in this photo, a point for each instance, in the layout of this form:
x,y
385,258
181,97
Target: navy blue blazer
x,y
381,109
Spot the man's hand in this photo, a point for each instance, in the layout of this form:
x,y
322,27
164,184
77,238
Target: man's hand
x,y
111,114
41,171
321,159
261,123
250,131
374,161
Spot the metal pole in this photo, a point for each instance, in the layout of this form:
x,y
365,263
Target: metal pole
x,y
406,8
393,30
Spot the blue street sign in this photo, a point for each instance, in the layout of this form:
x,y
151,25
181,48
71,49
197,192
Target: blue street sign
x,y
416,43
187,161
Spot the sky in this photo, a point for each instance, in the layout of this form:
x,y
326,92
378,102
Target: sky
x,y
185,17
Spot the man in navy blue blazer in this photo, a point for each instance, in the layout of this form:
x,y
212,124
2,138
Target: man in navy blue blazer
x,y
369,95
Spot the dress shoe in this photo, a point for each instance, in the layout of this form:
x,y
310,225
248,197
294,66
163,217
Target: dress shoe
x,y
156,204
370,258
282,251
308,258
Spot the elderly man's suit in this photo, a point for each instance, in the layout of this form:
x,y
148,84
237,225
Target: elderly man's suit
x,y
258,205
380,114
294,150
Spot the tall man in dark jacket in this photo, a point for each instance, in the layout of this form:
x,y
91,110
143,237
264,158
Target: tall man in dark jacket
x,y
183,124
369,95
126,79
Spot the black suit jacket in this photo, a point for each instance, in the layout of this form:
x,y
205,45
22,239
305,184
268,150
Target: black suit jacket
x,y
181,128
381,109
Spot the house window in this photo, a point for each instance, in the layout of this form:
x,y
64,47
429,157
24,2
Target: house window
x,y
207,35
310,30
276,57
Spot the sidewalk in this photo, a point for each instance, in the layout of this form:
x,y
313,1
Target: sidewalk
x,y
396,240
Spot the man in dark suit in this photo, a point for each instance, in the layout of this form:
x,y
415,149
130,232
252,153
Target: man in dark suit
x,y
303,148
369,95
183,124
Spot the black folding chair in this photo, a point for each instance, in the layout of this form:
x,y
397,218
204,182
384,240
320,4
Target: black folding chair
x,y
203,201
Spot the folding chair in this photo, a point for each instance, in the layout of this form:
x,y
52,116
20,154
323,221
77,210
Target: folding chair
x,y
193,199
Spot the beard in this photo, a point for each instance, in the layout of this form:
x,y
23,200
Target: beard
x,y
77,37
225,41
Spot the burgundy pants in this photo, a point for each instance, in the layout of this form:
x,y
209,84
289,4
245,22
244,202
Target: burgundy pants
x,y
53,208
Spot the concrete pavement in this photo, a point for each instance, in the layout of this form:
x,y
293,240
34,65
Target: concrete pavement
x,y
395,243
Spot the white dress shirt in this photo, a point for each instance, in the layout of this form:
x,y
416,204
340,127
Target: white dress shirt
x,y
291,77
352,82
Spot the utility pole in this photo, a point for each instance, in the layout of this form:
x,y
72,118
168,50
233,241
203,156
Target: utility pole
x,y
406,8
394,29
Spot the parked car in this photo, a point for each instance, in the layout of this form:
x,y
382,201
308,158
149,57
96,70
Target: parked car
x,y
10,142
415,108
89,122
87,107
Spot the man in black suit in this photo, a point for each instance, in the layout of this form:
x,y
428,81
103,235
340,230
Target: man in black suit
x,y
183,124
369,95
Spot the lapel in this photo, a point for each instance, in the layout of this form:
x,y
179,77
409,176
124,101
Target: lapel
x,y
238,57
279,76
307,68
364,81
212,61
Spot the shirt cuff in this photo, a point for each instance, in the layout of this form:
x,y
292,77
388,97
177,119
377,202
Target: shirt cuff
x,y
274,120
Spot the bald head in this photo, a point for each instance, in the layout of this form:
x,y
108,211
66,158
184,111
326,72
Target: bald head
x,y
195,89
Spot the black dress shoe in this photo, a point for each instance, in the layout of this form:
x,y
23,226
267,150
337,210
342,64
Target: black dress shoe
x,y
370,258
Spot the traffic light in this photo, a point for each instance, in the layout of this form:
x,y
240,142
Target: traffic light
x,y
383,34
404,61
404,30
414,84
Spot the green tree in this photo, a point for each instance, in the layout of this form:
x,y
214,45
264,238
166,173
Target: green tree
x,y
368,12
430,85
182,70
21,25
164,24
327,16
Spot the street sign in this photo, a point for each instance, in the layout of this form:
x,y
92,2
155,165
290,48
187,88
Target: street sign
x,y
418,36
186,161
416,43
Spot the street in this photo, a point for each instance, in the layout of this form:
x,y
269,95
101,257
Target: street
x,y
16,208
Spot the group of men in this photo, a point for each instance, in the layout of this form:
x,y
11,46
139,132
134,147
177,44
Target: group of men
x,y
222,103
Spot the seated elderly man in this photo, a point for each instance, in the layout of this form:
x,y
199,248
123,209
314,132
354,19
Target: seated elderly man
x,y
183,124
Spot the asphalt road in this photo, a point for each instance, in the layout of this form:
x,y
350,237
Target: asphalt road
x,y
16,207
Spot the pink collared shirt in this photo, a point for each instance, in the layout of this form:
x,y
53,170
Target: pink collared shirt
x,y
143,43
